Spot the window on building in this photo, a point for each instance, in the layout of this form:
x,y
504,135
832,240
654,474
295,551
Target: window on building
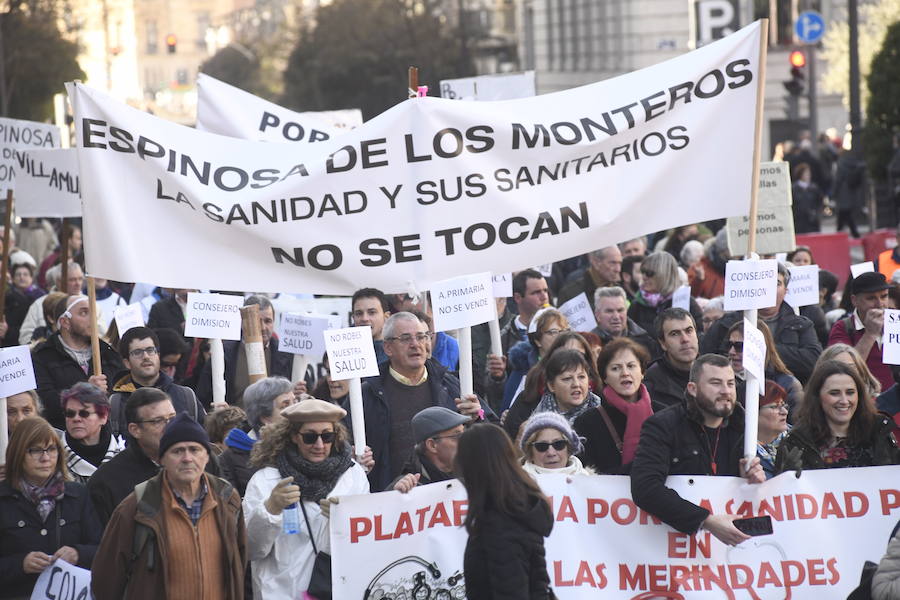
x,y
152,37
203,25
782,14
181,76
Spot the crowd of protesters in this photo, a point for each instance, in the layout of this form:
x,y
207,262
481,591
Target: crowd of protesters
x,y
138,474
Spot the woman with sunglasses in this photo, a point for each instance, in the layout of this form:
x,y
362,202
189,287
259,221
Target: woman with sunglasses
x,y
837,425
660,279
43,515
303,459
550,444
88,440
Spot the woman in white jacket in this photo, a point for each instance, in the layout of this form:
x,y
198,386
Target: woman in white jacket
x,y
886,583
304,457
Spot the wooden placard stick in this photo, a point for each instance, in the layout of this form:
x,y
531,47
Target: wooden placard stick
x,y
253,344
7,246
95,335
63,285
413,82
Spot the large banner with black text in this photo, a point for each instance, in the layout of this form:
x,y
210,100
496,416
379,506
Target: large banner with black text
x,y
826,524
429,190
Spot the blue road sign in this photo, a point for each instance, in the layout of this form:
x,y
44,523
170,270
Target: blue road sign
x,y
809,27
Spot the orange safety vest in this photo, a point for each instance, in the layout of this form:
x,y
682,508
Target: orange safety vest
x,y
887,265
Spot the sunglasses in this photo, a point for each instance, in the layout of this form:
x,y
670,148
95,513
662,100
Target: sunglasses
x,y
739,346
542,447
83,413
648,273
309,437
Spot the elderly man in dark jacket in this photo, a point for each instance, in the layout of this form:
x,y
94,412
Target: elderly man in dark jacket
x,y
704,435
795,335
409,382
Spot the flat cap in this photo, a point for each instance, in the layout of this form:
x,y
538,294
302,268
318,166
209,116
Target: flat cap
x,y
435,419
873,281
313,410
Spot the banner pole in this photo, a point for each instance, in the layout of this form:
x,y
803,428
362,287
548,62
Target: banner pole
x,y
464,336
4,268
253,344
357,416
217,360
413,77
95,336
4,433
751,396
63,285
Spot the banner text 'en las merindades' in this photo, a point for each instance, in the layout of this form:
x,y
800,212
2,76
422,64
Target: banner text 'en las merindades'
x,y
429,190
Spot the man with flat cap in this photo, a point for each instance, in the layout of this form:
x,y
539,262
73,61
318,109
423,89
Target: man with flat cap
x,y
436,430
863,328
180,534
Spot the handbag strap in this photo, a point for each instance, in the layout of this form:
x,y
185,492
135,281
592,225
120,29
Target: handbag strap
x,y
612,430
306,518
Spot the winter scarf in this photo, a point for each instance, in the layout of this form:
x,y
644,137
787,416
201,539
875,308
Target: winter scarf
x,y
635,413
316,480
45,496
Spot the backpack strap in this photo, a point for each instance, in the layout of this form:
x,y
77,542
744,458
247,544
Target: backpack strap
x,y
143,536
612,430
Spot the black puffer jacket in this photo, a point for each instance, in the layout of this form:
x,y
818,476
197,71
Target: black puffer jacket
x,y
504,557
673,442
116,478
798,451
72,523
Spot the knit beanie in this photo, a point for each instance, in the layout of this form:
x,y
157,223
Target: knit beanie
x,y
182,429
544,420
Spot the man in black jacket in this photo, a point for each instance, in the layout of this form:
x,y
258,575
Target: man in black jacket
x,y
436,430
667,377
139,348
64,359
147,412
408,383
704,435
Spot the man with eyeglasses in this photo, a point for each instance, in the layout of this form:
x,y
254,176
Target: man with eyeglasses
x,y
64,359
408,383
139,348
436,430
147,411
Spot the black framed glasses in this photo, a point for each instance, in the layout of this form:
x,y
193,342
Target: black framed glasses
x,y
452,436
82,412
738,346
309,437
36,452
648,273
542,447
158,421
139,352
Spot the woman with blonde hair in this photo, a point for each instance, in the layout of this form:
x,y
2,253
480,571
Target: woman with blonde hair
x,y
660,280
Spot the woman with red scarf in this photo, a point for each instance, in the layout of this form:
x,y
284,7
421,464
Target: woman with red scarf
x,y
611,430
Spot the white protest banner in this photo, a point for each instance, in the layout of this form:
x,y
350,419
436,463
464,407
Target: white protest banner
x,y
62,581
16,370
47,183
128,317
754,355
303,334
227,110
578,312
890,345
682,298
750,284
21,135
826,524
504,86
463,301
215,316
351,353
429,190
803,288
860,268
774,218
502,285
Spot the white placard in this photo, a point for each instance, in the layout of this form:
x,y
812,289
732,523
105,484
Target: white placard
x,y
579,313
21,135
62,580
781,256
890,341
860,268
502,285
47,183
545,269
750,284
303,334
128,317
803,288
351,353
213,316
507,86
754,358
682,298
774,216
16,370
463,301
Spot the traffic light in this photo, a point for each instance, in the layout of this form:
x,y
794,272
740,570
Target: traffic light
x,y
797,83
171,43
